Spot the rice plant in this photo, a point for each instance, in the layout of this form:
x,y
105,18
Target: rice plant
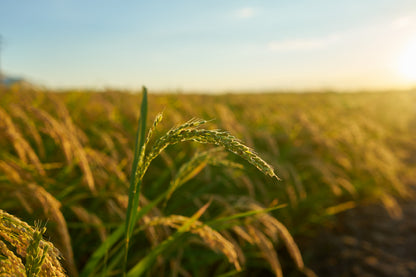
x,y
65,160
116,254
189,131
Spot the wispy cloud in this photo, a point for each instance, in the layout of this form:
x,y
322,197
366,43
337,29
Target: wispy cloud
x,y
244,13
302,44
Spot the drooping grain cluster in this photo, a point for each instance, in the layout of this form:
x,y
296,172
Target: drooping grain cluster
x,y
190,132
210,237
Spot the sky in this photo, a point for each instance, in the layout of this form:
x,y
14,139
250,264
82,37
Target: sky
x,y
217,45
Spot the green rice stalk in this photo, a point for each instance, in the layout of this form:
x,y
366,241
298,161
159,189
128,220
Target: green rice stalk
x,y
185,132
92,265
135,180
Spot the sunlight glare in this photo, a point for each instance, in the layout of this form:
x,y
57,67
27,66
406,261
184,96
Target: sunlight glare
x,y
407,62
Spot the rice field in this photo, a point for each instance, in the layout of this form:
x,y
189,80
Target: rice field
x,y
128,184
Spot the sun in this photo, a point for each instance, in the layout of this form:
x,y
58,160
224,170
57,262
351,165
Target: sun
x,y
407,62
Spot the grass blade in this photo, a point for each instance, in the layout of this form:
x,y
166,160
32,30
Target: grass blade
x,y
230,273
134,181
91,267
217,221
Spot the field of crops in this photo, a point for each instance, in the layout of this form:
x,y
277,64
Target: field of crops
x,y
201,201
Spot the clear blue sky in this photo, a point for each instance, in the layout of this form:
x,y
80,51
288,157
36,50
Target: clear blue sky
x,y
210,45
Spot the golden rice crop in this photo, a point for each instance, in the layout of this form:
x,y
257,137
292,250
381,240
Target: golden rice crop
x,y
64,159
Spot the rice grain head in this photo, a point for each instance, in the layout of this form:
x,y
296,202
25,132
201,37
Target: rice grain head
x,y
27,244
211,238
190,132
70,143
267,250
22,147
36,198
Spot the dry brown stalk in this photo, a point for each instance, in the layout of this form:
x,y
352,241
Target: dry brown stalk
x,y
55,130
392,206
239,230
66,119
267,250
240,253
346,184
19,112
22,147
297,181
271,223
90,219
70,144
11,172
106,164
246,182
